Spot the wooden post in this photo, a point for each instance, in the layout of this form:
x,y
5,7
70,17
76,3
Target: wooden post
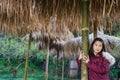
x,y
63,66
85,28
56,70
27,57
47,60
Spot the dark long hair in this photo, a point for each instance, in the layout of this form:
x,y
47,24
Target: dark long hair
x,y
91,52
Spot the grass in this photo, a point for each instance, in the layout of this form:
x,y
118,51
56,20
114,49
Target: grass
x,y
38,74
34,73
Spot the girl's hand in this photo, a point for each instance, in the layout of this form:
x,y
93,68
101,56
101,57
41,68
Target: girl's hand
x,y
80,56
83,57
86,59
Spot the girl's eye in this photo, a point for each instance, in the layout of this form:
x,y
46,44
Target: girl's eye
x,y
100,45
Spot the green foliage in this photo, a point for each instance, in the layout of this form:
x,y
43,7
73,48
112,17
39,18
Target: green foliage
x,y
13,47
117,47
116,30
118,34
41,55
75,33
113,74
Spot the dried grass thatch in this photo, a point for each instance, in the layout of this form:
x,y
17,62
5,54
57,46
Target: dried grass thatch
x,y
58,37
71,48
26,16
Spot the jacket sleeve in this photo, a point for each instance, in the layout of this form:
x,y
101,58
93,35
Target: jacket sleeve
x,y
101,69
109,57
78,62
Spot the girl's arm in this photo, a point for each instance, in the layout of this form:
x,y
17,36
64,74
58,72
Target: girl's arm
x,y
79,60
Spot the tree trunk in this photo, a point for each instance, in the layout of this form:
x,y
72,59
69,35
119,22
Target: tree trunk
x,y
14,73
85,28
27,58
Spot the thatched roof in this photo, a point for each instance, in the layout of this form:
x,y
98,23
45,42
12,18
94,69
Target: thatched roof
x,y
58,34
72,47
26,16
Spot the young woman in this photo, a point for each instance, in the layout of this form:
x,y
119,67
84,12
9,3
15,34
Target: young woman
x,y
98,62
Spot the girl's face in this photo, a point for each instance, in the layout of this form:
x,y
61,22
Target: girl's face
x,y
97,47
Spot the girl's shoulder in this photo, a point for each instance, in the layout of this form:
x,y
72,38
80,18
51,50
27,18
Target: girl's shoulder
x,y
109,57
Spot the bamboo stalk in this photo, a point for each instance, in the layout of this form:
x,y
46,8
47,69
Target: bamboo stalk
x,y
63,64
56,72
85,28
47,61
27,58
47,57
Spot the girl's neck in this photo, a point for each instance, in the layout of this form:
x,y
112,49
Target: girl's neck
x,y
96,54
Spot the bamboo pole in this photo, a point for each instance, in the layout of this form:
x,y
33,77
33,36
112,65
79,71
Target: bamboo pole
x,y
56,72
47,60
48,53
27,57
63,66
85,28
